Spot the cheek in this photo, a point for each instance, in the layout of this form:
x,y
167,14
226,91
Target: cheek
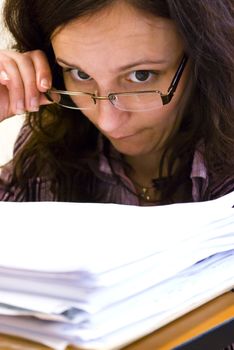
x,y
164,118
91,115
88,114
171,120
170,115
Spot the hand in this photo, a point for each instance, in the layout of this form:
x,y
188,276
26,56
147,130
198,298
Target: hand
x,y
24,77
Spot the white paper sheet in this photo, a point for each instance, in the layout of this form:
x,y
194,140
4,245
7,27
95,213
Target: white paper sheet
x,y
169,300
73,232
107,286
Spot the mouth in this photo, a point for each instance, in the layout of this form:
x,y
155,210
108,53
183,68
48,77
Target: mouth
x,y
120,137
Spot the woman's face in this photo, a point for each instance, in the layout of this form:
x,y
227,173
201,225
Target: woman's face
x,y
122,49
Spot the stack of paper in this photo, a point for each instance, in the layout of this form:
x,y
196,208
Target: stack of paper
x,y
99,276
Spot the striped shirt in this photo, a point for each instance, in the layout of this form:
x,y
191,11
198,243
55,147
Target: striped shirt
x,y
105,183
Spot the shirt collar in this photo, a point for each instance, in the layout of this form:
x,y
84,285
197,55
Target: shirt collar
x,y
199,172
199,168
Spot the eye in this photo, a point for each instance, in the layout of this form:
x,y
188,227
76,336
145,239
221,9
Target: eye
x,y
141,76
78,74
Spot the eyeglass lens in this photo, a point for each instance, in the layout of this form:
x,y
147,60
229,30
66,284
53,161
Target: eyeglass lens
x,y
128,102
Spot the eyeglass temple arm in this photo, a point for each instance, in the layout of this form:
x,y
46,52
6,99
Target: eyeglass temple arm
x,y
172,88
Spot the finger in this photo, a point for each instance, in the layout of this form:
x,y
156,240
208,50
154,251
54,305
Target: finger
x,y
28,74
4,103
44,100
25,76
4,78
11,78
43,71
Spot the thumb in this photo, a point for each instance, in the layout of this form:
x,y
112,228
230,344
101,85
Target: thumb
x,y
44,100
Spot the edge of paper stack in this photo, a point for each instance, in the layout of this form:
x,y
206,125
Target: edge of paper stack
x,y
100,276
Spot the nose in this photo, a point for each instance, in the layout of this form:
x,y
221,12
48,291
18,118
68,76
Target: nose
x,y
108,118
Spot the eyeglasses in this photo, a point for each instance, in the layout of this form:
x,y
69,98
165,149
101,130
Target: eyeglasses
x,y
134,101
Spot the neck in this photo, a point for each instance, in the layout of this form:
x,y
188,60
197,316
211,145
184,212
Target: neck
x,y
143,168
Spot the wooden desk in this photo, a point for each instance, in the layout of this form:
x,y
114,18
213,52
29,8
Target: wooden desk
x,y
175,333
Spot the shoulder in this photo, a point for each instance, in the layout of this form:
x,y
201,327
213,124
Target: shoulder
x,y
222,187
34,189
206,184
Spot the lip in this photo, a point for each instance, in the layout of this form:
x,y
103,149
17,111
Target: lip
x,y
121,137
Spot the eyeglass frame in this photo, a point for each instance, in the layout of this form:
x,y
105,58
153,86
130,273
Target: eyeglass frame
x,y
166,98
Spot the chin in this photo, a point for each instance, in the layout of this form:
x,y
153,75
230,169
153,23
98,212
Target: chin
x,y
129,149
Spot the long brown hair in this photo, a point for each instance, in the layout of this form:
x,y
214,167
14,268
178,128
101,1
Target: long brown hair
x,y
62,139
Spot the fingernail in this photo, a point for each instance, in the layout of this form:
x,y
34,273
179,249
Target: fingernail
x,y
4,75
34,104
45,84
20,109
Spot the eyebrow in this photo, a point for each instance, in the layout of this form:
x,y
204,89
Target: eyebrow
x,y
121,68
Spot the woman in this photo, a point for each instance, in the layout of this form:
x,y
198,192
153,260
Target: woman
x,y
148,116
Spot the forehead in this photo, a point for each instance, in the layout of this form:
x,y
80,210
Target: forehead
x,y
118,32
